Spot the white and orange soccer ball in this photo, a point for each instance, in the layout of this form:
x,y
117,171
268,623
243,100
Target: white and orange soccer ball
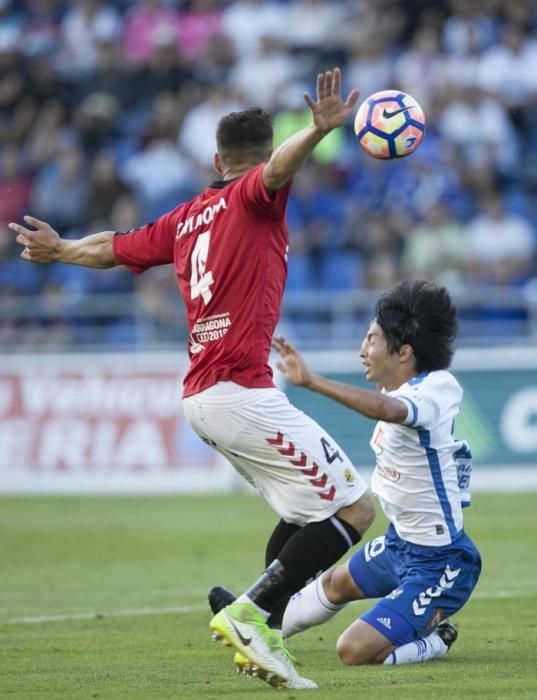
x,y
389,124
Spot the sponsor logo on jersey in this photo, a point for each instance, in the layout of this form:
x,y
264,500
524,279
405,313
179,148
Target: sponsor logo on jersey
x,y
377,439
204,218
386,621
207,330
388,473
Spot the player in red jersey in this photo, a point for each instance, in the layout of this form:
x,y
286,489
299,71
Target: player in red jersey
x,y
229,248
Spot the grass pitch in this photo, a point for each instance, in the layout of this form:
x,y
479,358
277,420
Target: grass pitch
x,y
106,598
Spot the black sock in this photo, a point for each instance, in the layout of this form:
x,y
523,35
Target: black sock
x,y
312,549
270,588
280,535
315,548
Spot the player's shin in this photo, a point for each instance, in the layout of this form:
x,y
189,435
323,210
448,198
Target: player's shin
x,y
311,550
277,540
307,608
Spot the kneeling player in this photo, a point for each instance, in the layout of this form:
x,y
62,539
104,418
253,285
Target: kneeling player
x,y
425,567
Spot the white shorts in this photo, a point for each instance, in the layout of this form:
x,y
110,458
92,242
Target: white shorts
x,y
292,462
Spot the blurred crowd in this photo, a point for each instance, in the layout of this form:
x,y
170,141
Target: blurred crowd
x,y
107,119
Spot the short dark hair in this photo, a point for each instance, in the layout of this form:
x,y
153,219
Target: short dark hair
x,y
420,314
245,136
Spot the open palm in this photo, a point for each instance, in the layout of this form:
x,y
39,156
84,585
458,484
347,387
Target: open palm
x,y
293,365
329,110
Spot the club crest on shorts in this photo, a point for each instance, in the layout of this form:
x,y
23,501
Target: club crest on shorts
x,y
349,476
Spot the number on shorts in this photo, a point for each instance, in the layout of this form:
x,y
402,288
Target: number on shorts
x,y
200,280
375,547
330,453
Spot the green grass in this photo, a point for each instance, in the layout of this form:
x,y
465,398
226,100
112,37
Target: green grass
x,y
67,556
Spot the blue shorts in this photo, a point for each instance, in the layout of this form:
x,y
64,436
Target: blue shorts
x,y
419,585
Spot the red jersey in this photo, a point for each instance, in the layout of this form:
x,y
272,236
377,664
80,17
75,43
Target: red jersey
x,y
229,247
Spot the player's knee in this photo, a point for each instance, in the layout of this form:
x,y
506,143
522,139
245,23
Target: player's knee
x,y
338,585
361,514
350,653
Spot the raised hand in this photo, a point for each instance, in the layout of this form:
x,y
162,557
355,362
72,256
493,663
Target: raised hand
x,y
329,111
42,244
293,366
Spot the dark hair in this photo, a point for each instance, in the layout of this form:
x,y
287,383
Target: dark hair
x,y
245,135
422,315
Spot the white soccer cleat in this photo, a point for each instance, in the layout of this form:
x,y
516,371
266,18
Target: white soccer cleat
x,y
261,647
294,682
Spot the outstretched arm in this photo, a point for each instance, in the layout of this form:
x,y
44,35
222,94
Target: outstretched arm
x,y
328,112
42,244
372,404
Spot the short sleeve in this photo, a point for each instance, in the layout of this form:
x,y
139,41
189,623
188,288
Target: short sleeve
x,y
255,197
429,399
148,246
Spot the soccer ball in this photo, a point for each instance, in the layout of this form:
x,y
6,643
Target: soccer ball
x,y
389,124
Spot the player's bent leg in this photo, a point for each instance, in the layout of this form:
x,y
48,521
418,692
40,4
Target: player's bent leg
x,y
339,586
362,644
307,608
359,514
319,601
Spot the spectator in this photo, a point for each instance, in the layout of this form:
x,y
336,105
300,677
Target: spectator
x,y
507,71
468,30
262,19
479,129
61,189
370,66
500,246
198,23
420,70
15,185
149,23
105,188
196,135
262,74
86,23
435,249
159,173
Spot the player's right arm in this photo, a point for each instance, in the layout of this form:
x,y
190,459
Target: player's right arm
x,y
42,244
372,404
328,112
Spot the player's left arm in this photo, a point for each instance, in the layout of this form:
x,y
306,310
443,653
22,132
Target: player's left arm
x,y
372,404
329,111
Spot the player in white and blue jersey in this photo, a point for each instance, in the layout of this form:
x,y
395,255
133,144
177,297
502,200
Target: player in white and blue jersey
x,y
425,567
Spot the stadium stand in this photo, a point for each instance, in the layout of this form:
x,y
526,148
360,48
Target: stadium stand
x,y
107,116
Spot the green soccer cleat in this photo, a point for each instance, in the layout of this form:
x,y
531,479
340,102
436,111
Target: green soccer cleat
x,y
261,652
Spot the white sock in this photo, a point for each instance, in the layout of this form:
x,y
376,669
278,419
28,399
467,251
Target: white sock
x,y
246,599
307,608
424,649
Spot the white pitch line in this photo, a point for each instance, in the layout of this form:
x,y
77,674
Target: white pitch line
x,y
491,595
99,615
488,595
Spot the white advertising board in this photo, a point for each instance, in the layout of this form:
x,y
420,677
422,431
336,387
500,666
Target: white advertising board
x,y
100,424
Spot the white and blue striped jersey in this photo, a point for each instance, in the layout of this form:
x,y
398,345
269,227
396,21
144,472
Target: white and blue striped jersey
x,y
416,478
